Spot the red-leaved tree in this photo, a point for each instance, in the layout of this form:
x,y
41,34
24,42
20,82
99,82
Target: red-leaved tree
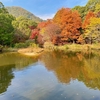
x,y
34,34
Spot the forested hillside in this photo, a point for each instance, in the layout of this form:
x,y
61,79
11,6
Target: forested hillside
x,y
18,11
14,30
80,25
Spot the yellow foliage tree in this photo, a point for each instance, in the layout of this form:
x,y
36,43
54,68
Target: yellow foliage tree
x,y
92,31
97,8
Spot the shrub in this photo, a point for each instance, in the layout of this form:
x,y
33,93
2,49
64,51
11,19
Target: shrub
x,y
66,46
30,41
49,45
34,45
21,45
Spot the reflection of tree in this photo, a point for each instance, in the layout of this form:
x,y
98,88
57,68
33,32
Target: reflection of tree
x,y
6,75
65,66
84,67
8,62
92,71
18,60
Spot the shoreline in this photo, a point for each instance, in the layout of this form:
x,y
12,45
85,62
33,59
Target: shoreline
x,y
68,47
31,51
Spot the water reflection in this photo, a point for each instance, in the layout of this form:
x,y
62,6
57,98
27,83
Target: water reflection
x,y
10,62
69,66
18,60
53,76
6,76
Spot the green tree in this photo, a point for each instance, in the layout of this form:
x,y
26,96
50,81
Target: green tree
x,y
91,5
81,10
23,24
6,28
22,27
2,8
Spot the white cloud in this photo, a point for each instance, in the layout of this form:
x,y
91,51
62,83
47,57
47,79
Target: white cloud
x,y
46,16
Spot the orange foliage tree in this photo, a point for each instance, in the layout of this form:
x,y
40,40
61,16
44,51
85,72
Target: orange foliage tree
x,y
70,23
86,22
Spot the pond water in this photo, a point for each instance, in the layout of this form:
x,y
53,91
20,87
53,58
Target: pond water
x,y
52,76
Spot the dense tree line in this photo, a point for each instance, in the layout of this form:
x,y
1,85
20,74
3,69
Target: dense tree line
x,y
6,27
14,30
77,25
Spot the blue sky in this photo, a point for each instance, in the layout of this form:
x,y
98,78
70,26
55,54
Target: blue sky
x,y
44,8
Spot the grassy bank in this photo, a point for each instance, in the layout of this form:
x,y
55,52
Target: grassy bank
x,y
10,49
35,50
73,47
78,47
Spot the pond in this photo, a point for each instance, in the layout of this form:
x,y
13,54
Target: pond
x,y
52,76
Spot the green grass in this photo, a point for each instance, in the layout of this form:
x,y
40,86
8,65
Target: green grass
x,y
78,47
74,47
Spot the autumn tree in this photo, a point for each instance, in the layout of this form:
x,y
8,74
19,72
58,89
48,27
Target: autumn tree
x,y
86,22
97,8
70,23
98,14
45,29
92,31
52,31
44,24
91,5
34,35
85,26
49,33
